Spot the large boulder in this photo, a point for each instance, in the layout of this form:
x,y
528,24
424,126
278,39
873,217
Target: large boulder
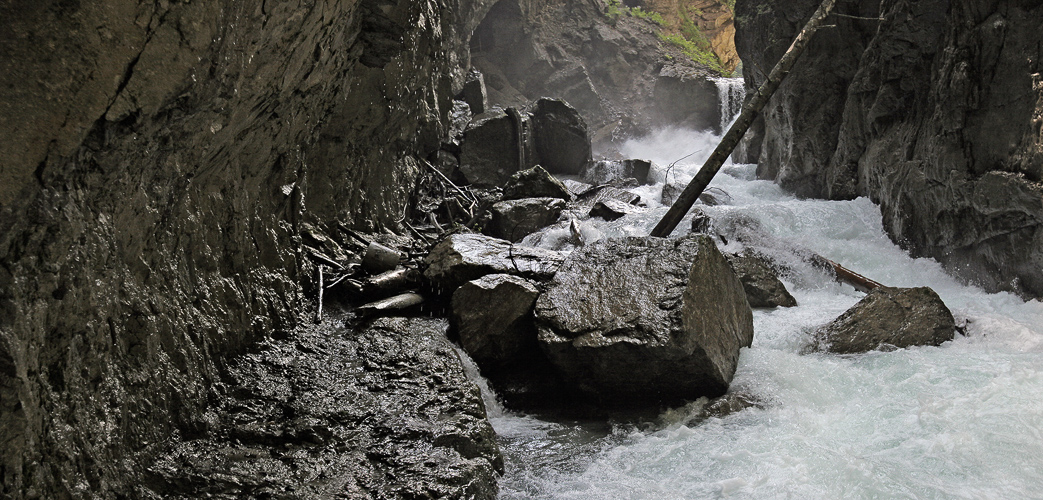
x,y
474,92
888,318
494,320
535,182
515,219
560,137
645,320
489,151
762,285
464,257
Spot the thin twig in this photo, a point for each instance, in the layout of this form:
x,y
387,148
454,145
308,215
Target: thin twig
x,y
318,317
445,179
860,17
315,254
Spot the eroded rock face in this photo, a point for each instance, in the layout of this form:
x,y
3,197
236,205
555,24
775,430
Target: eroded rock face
x,y
494,319
933,112
645,320
464,257
888,318
158,162
325,401
490,150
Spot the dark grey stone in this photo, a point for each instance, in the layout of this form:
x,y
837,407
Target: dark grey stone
x,y
640,321
888,318
489,153
611,209
535,182
493,316
760,282
560,137
464,257
515,219
606,171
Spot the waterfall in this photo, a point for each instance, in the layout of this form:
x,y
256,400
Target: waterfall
x,y
731,92
493,408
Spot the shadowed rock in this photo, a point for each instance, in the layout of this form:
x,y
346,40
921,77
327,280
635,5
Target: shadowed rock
x,y
515,219
612,209
474,93
535,182
762,286
464,257
489,150
493,316
560,137
646,320
888,318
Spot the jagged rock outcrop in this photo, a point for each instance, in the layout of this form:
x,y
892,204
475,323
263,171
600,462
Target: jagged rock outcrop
x,y
463,257
888,318
637,321
933,111
158,163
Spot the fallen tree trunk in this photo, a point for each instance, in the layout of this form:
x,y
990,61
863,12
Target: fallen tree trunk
x,y
738,129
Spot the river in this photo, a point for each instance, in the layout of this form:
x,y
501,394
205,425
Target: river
x,y
963,420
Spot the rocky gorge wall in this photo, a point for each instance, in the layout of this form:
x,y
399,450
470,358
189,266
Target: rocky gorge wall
x,y
158,162
932,108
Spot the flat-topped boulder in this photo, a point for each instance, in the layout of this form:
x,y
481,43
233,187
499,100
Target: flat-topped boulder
x,y
888,318
463,257
493,318
515,219
639,321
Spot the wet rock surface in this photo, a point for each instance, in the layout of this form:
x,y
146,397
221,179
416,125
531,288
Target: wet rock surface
x,y
760,282
493,318
933,112
888,318
490,148
464,257
513,220
560,137
606,171
645,320
535,182
382,411
612,209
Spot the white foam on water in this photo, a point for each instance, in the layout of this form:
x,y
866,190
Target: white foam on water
x,y
963,420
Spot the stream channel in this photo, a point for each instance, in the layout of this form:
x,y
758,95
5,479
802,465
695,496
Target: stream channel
x,y
964,420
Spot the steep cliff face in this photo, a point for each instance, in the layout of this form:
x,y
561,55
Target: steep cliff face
x,y
933,110
158,162
614,69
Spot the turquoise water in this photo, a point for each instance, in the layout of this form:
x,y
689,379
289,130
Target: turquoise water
x,y
964,420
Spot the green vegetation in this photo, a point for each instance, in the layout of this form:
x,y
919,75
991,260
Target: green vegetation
x,y
698,54
691,40
655,17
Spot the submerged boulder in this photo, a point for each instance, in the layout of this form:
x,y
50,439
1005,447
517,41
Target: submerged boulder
x,y
762,285
560,137
535,182
645,320
515,219
493,317
464,257
888,318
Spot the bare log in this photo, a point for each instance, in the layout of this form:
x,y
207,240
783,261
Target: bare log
x,y
738,129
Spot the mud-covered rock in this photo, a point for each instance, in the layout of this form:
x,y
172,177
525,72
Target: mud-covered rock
x,y
489,151
888,318
560,137
535,182
639,321
464,257
494,320
760,282
606,171
382,411
513,220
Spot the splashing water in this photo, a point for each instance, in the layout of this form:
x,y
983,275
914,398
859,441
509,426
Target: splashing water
x,y
964,420
731,92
